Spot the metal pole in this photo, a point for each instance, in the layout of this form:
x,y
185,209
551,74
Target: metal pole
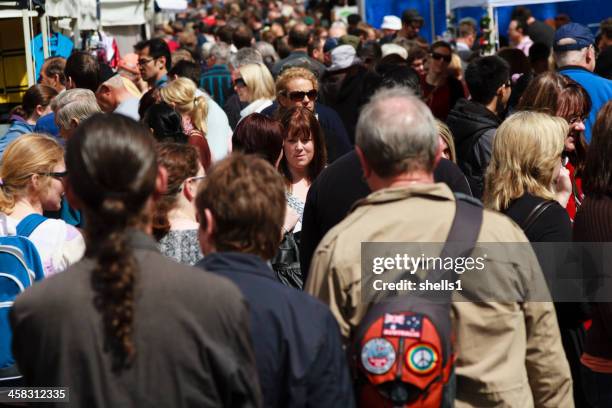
x,y
362,9
44,28
27,41
493,28
496,29
432,19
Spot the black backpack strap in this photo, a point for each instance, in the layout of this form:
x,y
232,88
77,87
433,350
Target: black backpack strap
x,y
535,214
463,233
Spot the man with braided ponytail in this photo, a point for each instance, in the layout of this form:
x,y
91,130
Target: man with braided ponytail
x,y
127,326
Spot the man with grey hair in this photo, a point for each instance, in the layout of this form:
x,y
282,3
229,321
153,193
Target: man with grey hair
x,y
574,52
216,80
498,344
71,108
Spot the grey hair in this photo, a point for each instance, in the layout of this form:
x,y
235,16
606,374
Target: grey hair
x,y
397,133
221,52
76,104
574,57
205,50
267,50
245,56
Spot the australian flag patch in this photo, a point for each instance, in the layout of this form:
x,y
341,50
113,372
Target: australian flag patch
x,y
403,325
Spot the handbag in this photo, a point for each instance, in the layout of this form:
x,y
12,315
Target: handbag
x,y
286,262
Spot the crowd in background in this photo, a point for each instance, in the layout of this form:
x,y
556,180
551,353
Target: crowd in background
x,y
262,144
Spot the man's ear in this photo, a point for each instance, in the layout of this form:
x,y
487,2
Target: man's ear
x,y
74,123
367,170
162,60
40,110
206,232
161,182
103,89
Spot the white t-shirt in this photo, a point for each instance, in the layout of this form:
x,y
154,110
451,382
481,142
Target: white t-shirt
x,y
59,244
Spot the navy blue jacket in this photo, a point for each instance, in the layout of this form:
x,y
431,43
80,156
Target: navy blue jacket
x,y
336,138
295,337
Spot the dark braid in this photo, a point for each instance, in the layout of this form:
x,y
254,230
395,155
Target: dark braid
x,y
113,280
112,168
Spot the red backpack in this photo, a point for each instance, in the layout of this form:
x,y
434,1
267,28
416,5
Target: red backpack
x,y
402,353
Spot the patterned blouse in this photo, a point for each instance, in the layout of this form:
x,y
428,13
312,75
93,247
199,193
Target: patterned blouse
x,y
182,246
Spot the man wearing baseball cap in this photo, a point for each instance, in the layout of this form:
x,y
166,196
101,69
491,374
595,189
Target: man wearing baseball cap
x,y
574,51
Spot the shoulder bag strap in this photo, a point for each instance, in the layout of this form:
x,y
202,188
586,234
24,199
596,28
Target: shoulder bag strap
x,y
535,214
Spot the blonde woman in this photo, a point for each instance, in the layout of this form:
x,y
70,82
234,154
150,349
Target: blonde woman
x,y
447,141
526,179
32,178
255,86
528,182
181,94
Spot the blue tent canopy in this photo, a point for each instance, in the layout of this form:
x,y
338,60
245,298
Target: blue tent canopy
x,y
589,13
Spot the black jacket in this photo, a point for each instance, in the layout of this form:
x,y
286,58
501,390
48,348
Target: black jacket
x,y
473,127
191,333
343,91
338,187
296,339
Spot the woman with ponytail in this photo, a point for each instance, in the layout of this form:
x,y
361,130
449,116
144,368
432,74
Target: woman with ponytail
x,y
32,177
174,219
127,326
35,104
181,94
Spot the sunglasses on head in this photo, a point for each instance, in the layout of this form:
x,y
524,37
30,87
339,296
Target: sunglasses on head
x,y
298,96
437,57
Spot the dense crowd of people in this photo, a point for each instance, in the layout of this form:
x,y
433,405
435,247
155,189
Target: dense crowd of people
x,y
191,222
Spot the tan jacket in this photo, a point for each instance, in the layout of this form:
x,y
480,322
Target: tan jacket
x,y
508,354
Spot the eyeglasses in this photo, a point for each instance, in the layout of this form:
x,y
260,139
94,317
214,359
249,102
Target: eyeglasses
x,y
189,180
56,174
298,96
239,82
438,57
144,61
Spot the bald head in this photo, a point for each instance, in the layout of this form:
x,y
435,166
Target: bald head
x,y
114,91
397,133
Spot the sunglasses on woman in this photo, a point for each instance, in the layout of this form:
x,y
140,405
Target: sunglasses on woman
x,y
56,174
298,96
239,82
437,57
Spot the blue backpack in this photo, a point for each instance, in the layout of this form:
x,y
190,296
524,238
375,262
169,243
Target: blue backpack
x,y
20,266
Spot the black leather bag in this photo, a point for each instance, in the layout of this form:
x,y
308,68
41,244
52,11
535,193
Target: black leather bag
x,y
286,263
